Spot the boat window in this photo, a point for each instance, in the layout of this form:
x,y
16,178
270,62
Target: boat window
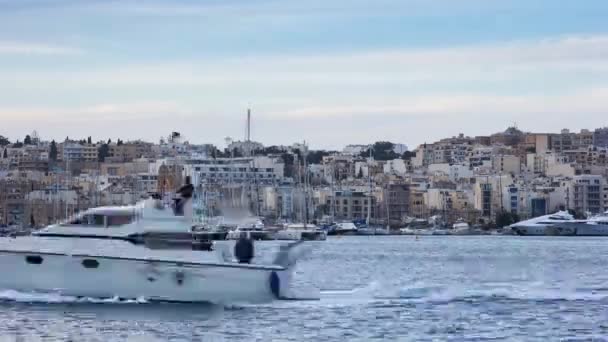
x,y
34,259
78,221
90,263
119,220
96,220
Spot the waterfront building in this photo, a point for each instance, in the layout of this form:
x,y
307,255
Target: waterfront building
x,y
586,194
260,170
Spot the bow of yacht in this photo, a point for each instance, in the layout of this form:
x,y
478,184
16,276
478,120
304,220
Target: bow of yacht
x,y
114,252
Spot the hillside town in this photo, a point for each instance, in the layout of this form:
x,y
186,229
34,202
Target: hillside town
x,y
489,181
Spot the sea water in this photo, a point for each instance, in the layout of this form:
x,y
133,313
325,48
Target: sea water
x,y
434,288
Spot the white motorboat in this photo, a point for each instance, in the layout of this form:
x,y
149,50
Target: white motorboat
x,y
254,231
538,226
301,232
343,228
460,227
407,231
595,226
123,252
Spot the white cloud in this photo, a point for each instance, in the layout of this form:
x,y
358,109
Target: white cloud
x,y
541,84
25,48
97,112
519,60
589,101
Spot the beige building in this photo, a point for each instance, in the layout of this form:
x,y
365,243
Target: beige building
x,y
504,163
567,140
488,194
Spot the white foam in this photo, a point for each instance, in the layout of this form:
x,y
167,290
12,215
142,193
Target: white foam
x,y
50,297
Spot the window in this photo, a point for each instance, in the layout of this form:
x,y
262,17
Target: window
x,y
96,220
90,263
34,259
119,220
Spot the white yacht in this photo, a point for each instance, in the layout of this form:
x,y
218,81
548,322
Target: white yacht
x,y
538,225
595,226
343,228
123,252
254,231
301,232
460,227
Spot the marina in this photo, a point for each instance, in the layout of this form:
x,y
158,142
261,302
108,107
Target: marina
x,y
263,170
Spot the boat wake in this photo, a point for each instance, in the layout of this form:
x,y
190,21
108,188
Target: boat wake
x,y
56,298
372,294
376,294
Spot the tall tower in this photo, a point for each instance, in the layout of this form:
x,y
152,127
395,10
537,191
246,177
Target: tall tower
x,y
248,125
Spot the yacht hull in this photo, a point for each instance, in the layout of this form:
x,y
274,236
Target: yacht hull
x,y
300,235
530,230
156,280
254,235
580,229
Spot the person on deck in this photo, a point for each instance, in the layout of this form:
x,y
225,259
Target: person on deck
x,y
243,249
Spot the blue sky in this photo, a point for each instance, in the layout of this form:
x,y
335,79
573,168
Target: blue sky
x,y
328,72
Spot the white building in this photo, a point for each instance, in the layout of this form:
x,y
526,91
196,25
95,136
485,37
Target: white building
x,y
355,150
395,167
146,183
263,170
453,171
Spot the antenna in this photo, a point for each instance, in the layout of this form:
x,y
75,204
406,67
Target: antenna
x,y
248,125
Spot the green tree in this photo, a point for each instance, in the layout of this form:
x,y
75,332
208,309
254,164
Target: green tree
x,y
53,151
4,141
506,218
103,152
119,142
288,160
408,155
27,140
17,144
5,155
316,157
89,141
272,150
382,150
360,175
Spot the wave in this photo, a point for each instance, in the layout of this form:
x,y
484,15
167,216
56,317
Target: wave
x,y
371,294
377,294
57,298
496,292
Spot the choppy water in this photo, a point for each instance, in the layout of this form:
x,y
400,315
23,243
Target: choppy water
x,y
373,288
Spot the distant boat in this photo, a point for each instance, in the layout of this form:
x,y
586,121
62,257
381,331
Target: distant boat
x,y
343,228
254,231
595,226
301,232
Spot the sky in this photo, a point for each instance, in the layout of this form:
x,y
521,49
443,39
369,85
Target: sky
x,y
328,72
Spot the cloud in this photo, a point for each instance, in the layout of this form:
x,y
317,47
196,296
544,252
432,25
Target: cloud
x,y
25,48
588,101
542,84
97,112
265,8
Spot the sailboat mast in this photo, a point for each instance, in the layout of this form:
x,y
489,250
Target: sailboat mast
x,y
369,180
305,186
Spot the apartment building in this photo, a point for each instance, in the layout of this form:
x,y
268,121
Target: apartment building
x,y
586,194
